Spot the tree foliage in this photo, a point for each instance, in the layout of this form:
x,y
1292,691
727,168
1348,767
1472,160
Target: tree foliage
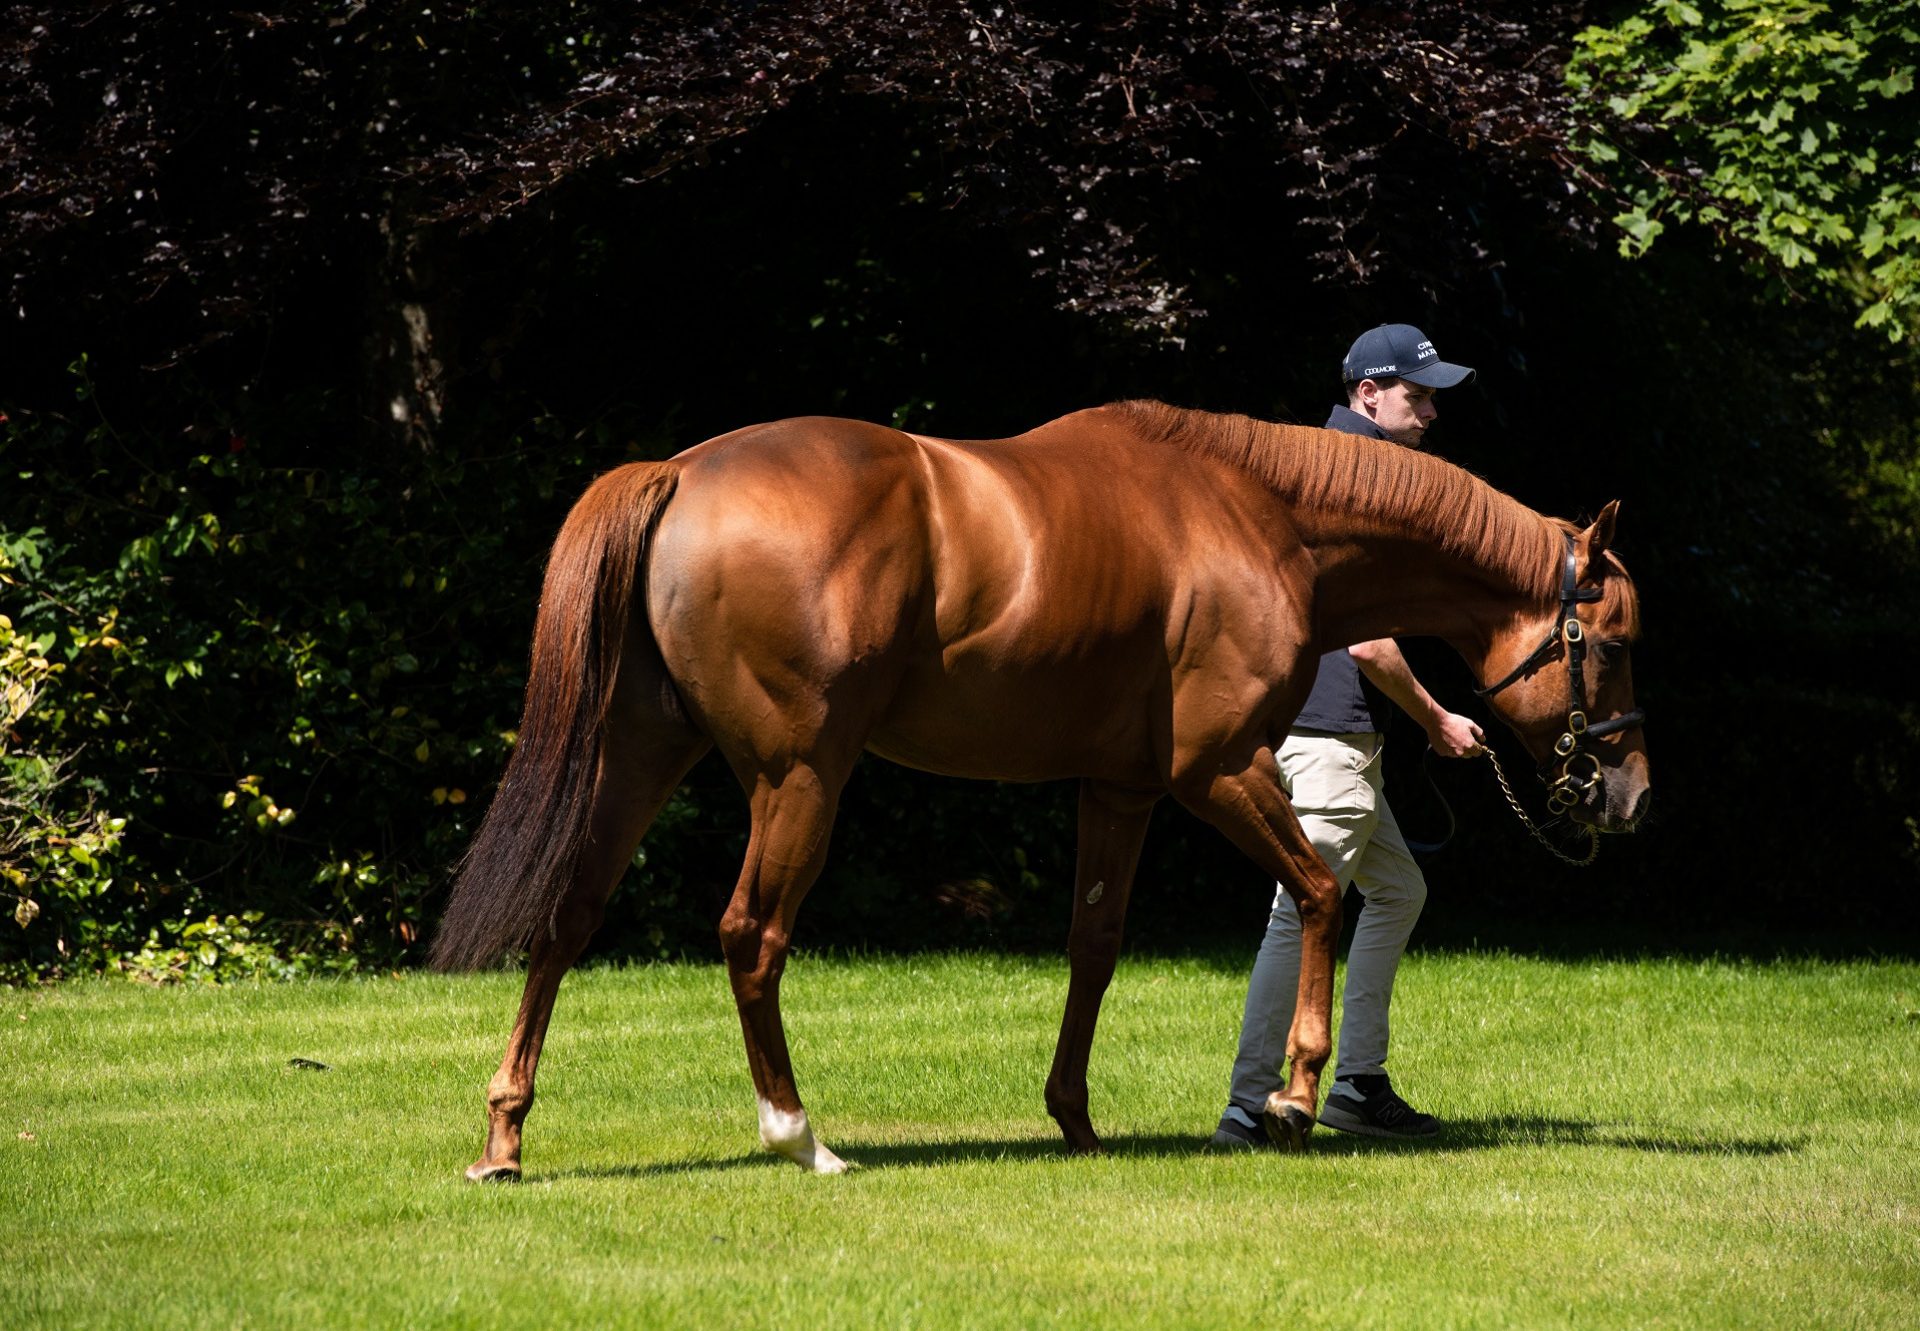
x,y
1790,128
202,164
1067,125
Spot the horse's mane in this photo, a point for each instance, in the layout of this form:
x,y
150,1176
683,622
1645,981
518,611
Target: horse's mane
x,y
1373,478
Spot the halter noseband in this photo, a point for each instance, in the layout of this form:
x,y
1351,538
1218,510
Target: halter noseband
x,y
1569,789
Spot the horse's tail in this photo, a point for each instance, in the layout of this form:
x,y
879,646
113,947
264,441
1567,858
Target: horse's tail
x,y
522,861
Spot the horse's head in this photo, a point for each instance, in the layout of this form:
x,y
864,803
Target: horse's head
x,y
1562,680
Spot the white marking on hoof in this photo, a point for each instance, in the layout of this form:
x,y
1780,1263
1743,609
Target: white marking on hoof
x,y
1095,892
790,1135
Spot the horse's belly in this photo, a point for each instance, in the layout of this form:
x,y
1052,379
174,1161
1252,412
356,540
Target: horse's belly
x,y
1020,726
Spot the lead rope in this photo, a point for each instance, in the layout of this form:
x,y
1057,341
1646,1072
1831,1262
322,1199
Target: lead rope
x,y
1440,798
1593,837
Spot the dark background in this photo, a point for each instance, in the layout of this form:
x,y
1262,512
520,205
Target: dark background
x,y
263,231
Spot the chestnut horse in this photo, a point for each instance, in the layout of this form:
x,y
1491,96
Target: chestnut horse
x,y
1132,595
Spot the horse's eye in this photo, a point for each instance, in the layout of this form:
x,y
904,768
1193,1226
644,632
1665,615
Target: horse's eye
x,y
1611,650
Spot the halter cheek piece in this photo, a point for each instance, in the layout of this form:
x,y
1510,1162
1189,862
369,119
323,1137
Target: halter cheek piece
x,y
1571,786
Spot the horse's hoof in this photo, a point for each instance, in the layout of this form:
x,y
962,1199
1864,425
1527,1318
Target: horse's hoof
x,y
1288,1125
482,1172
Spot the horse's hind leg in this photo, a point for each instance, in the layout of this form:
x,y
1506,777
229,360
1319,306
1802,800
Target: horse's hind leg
x,y
639,770
792,818
1113,824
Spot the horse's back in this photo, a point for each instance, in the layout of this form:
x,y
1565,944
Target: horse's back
x,y
1016,608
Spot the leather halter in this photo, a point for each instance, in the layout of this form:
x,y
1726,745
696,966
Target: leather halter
x,y
1570,788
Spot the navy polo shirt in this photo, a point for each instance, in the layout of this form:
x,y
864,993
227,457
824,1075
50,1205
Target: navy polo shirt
x,y
1343,702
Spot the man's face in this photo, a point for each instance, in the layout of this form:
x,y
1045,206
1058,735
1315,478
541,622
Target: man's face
x,y
1404,410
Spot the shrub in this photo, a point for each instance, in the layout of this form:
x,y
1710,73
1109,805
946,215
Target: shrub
x,y
251,695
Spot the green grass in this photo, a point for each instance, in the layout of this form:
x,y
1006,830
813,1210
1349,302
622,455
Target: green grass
x,y
1633,1143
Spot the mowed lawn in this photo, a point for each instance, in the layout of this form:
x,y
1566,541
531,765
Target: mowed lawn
x,y
1631,1143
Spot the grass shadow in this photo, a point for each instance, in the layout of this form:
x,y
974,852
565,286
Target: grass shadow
x,y
1510,1130
947,1151
1503,1132
604,1173
897,1155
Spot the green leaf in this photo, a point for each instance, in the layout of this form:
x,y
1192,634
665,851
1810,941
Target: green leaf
x,y
1792,253
1641,229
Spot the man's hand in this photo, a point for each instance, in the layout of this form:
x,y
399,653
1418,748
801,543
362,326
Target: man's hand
x,y
1456,736
1452,735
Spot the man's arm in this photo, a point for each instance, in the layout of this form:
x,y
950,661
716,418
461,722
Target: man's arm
x,y
1452,735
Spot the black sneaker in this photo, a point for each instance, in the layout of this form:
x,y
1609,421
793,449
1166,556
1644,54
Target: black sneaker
x,y
1233,1135
1382,1114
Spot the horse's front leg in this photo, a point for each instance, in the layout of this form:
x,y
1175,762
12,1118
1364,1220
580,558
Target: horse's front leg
x,y
1246,801
1113,824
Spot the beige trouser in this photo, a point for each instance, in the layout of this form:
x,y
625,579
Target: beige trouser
x,y
1335,782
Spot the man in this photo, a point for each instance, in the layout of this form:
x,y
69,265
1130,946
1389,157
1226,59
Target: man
x,y
1331,765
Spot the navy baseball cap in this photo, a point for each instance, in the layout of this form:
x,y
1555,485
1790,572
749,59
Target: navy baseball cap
x,y
1403,352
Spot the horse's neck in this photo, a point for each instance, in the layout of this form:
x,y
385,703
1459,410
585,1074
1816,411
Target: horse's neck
x,y
1374,580
1401,542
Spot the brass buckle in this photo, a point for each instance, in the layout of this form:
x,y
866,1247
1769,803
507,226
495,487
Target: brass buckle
x,y
1566,745
1593,776
1577,722
1572,631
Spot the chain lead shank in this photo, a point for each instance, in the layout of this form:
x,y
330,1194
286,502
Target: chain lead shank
x,y
1593,837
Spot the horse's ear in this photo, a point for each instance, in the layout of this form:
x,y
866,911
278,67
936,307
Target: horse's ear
x,y
1595,541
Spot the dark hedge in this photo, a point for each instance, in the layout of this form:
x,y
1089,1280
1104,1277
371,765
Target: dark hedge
x,y
321,318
